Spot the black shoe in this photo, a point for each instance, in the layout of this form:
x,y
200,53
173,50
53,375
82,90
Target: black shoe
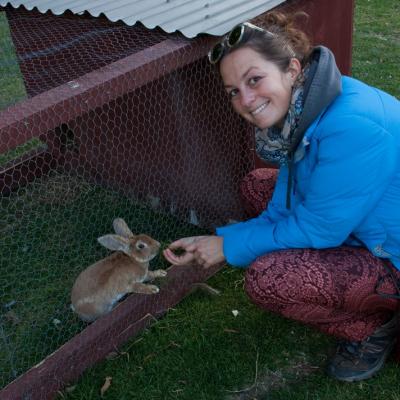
x,y
356,361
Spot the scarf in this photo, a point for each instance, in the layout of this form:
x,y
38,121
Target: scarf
x,y
274,144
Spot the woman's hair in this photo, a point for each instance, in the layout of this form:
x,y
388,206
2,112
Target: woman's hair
x,y
286,40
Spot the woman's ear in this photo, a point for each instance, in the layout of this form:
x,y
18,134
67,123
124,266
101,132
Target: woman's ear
x,y
294,69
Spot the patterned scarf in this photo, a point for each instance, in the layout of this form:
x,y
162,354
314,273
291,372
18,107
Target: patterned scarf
x,y
273,144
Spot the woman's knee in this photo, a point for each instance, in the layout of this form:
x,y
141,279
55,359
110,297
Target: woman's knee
x,y
273,281
297,276
340,278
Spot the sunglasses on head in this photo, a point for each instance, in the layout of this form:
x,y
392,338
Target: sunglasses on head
x,y
232,39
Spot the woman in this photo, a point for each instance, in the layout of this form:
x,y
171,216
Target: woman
x,y
326,250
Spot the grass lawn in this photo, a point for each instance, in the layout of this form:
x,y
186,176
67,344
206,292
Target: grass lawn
x,y
200,350
376,50
11,85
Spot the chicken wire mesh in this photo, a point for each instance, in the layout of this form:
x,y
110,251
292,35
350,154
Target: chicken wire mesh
x,y
98,121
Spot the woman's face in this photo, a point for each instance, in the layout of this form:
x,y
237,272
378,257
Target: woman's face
x,y
259,91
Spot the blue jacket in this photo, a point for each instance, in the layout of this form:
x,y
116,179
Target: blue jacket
x,y
346,187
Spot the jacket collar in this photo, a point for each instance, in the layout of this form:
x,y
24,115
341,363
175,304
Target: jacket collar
x,y
323,85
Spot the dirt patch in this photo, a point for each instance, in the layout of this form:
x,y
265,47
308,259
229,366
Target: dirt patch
x,y
270,381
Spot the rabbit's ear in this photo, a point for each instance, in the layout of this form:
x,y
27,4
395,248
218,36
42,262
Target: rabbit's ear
x,y
115,242
121,228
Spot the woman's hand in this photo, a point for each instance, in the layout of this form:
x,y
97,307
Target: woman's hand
x,y
204,250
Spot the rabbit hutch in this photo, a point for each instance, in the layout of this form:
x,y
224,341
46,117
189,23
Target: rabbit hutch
x,y
112,110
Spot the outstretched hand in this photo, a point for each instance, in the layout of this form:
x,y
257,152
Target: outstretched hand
x,y
203,250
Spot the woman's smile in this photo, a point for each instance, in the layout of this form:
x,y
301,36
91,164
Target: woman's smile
x,y
260,108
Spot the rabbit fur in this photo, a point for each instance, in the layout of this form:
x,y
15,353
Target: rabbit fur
x,y
99,287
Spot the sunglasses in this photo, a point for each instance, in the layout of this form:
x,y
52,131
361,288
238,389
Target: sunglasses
x,y
232,39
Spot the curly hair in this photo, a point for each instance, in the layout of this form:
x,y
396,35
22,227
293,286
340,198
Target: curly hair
x,y
286,41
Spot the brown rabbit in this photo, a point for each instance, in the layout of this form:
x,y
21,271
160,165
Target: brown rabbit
x,y
98,288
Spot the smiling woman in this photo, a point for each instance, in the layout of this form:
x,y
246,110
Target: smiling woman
x,y
326,246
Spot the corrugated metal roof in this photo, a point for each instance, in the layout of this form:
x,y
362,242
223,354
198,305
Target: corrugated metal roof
x,y
190,17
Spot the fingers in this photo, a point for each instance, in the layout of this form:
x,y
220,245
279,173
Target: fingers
x,y
186,243
186,259
183,259
181,243
198,257
192,247
204,250
198,245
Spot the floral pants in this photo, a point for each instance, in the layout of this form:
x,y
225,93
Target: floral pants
x,y
333,290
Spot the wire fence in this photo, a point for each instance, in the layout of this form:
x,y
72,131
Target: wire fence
x,y
99,121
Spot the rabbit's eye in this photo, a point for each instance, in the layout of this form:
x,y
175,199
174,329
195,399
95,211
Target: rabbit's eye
x,y
140,245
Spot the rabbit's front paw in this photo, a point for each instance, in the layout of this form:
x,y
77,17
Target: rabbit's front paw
x,y
152,289
159,273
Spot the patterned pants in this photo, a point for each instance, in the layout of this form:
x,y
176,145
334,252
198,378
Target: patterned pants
x,y
332,290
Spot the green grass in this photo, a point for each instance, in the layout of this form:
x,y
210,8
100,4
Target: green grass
x,y
11,84
376,50
202,351
12,87
199,350
19,151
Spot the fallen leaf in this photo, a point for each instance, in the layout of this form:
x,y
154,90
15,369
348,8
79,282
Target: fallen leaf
x,y
106,385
